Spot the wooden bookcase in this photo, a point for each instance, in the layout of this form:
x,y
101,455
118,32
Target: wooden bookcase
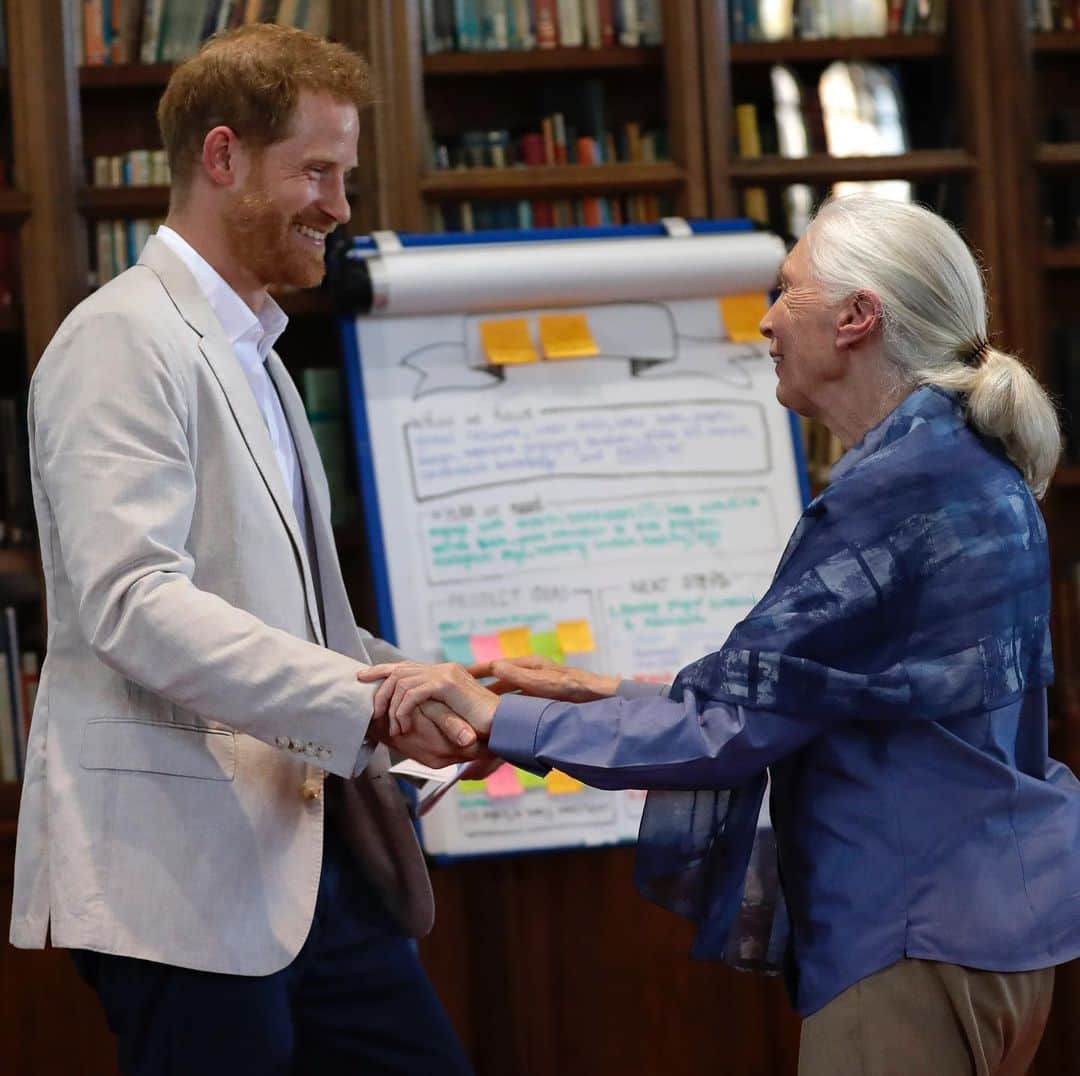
x,y
552,962
498,89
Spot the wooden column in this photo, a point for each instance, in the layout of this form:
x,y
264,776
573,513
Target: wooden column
x,y
48,165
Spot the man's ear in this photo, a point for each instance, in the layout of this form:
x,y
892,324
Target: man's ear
x,y
221,156
859,319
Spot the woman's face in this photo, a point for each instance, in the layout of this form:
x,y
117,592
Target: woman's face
x,y
801,328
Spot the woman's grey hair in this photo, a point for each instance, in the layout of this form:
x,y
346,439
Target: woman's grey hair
x,y
934,318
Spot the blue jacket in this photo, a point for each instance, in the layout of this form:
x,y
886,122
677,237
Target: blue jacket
x,y
935,828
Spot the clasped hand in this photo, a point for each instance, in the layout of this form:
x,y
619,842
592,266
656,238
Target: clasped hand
x,y
440,714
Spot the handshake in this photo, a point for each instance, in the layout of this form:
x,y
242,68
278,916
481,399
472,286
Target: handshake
x,y
440,714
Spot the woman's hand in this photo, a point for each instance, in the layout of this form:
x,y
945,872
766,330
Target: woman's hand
x,y
545,679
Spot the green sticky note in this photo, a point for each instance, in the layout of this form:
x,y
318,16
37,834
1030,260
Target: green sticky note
x,y
472,788
457,648
546,644
529,780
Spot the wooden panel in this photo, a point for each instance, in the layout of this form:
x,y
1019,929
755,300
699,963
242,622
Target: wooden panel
x,y
48,162
552,963
555,181
821,168
543,61
894,47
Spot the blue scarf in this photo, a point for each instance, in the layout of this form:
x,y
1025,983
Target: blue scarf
x,y
916,588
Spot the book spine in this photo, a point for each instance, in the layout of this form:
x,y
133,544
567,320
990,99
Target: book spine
x,y
546,23
629,30
571,32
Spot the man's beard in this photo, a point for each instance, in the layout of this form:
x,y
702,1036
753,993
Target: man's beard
x,y
265,242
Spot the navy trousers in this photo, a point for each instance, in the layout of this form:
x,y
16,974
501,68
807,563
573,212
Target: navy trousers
x,y
354,1000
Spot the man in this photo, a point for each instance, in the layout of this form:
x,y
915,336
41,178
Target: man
x,y
236,909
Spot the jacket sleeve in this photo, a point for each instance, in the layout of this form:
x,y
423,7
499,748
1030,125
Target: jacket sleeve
x,y
111,452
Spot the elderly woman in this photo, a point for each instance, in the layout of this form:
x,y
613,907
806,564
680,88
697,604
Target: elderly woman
x,y
892,681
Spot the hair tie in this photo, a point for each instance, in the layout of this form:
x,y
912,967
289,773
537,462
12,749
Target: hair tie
x,y
977,352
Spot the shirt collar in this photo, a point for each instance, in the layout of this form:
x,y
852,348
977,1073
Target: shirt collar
x,y
241,324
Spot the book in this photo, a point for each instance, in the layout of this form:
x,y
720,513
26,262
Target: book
x,y
571,31
546,23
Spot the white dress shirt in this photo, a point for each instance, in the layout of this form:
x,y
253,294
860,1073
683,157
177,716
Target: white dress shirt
x,y
252,336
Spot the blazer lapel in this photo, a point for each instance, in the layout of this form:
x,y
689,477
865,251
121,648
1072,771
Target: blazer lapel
x,y
197,312
341,631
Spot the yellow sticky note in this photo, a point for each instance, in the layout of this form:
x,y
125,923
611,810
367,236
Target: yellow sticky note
x,y
560,784
742,314
507,342
575,636
566,336
515,642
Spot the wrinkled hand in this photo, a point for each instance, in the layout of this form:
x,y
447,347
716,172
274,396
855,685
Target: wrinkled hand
x,y
545,679
467,711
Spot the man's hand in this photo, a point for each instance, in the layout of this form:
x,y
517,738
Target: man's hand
x,y
545,679
430,740
468,708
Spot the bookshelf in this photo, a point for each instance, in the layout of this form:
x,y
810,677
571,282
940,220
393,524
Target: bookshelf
x,y
557,930
453,92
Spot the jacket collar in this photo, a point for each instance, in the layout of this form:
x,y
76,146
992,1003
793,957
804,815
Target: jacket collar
x,y
193,306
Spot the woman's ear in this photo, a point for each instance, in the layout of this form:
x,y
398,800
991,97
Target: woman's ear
x,y
859,319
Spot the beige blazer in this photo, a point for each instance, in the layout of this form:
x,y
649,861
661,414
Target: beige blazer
x,y
190,703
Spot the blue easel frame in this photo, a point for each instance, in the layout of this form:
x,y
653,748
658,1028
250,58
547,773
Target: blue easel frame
x,y
366,246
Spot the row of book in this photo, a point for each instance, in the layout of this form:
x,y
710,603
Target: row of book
x,y
555,143
164,31
482,25
1050,15
118,244
524,214
18,690
778,20
136,168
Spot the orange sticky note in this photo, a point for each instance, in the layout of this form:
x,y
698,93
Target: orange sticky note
x,y
507,342
575,636
742,314
561,784
503,783
515,642
566,336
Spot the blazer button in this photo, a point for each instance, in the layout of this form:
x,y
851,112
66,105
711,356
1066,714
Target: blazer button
x,y
325,752
311,790
310,748
281,741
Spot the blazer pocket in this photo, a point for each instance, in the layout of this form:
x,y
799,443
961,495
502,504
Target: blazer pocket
x,y
157,747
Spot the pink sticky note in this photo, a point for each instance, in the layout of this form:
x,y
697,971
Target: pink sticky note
x,y
503,783
487,648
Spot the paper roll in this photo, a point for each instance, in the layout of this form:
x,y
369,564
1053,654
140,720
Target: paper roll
x,y
480,278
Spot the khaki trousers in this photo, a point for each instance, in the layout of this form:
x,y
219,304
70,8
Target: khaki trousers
x,y
922,1018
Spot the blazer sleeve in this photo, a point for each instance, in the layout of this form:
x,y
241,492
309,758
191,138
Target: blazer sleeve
x,y
110,423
